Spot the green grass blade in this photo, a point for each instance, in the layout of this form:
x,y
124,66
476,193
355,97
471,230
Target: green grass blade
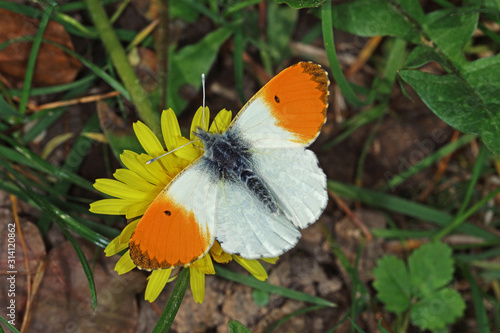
x,y
477,299
61,217
402,233
41,202
71,26
483,155
345,87
45,118
96,70
429,160
355,122
26,157
30,67
398,205
467,258
174,302
460,219
240,6
9,326
72,163
285,292
56,89
83,262
293,314
354,325
199,7
63,221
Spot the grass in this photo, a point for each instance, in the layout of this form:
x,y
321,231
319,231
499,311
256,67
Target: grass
x,y
239,43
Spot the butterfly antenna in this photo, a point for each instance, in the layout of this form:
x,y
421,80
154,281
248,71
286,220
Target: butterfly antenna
x,y
169,152
203,87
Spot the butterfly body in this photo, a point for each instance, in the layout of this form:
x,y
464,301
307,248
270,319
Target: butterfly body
x,y
255,186
228,157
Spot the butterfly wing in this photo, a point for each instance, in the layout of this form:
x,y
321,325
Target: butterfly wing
x,y
288,111
178,226
246,228
283,118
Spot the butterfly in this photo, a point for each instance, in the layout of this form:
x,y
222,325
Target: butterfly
x,y
255,186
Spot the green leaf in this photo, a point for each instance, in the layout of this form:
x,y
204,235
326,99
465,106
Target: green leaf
x,y
237,327
438,310
174,302
422,55
392,283
189,63
468,101
370,18
450,32
492,4
431,267
297,4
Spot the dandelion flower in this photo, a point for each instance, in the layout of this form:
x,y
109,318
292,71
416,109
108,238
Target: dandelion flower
x,y
136,186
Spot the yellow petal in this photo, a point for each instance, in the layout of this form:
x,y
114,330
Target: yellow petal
x,y
131,160
197,283
133,180
170,129
155,169
148,139
115,246
219,255
253,266
157,281
111,206
120,242
137,209
199,120
128,231
270,260
125,264
189,152
221,121
120,190
205,265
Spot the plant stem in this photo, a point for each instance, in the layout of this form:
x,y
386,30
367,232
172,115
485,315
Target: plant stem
x,y
122,65
162,47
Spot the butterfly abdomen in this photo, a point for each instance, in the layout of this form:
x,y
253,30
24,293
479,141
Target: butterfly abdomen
x,y
229,159
257,187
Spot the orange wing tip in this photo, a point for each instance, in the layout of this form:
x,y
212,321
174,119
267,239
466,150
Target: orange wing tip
x,y
320,76
298,98
144,262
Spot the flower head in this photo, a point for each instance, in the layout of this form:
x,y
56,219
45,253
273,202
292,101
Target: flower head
x,y
137,185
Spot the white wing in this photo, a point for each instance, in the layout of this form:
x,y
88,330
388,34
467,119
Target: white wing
x,y
296,180
245,227
178,227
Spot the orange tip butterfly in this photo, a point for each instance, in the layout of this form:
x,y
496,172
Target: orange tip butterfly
x,y
254,187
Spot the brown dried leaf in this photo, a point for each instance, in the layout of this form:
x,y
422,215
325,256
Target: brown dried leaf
x,y
16,288
63,303
53,66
